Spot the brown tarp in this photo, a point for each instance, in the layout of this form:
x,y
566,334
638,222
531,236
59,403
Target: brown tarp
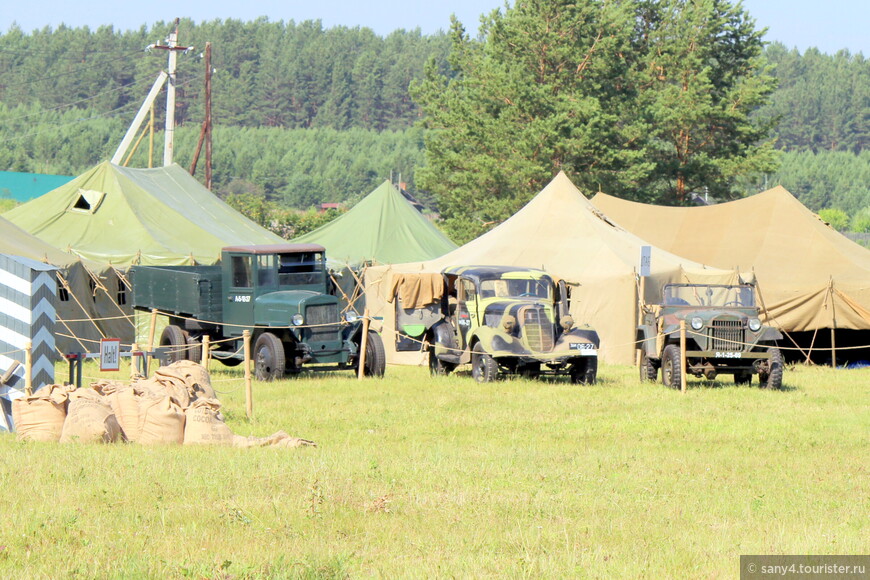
x,y
561,232
809,275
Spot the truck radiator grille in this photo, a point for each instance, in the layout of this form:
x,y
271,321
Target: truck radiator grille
x,y
324,314
727,335
537,329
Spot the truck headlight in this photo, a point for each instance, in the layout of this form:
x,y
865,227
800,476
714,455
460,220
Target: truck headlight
x,y
351,316
298,319
566,322
754,324
697,323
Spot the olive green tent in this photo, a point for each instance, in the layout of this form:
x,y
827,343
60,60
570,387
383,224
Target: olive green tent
x,y
113,217
122,216
383,228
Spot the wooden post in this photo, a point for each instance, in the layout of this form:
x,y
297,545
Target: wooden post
x,y
249,403
363,343
683,356
28,368
133,359
151,330
833,349
206,345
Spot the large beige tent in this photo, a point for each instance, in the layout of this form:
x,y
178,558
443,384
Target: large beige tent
x,y
561,232
810,276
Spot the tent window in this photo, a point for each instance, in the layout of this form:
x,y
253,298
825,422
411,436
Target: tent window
x,y
62,294
87,201
122,292
93,286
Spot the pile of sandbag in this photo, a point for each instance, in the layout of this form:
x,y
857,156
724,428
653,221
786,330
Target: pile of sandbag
x,y
177,405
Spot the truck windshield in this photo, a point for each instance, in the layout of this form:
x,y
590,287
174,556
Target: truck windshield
x,y
300,269
709,295
533,289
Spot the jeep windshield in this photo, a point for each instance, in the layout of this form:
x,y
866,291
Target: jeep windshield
x,y
716,296
525,288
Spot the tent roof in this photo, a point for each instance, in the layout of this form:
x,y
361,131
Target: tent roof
x,y
384,228
796,257
17,242
160,216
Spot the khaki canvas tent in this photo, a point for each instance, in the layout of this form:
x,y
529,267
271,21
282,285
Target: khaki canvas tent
x,y
115,217
383,228
810,277
562,233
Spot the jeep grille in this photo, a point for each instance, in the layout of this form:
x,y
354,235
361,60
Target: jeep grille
x,y
537,329
727,335
322,314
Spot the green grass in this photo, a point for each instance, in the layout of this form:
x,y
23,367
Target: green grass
x,y
420,477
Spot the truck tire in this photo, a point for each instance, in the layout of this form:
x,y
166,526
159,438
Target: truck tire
x,y
376,358
269,359
649,371
772,379
483,367
585,371
671,367
173,343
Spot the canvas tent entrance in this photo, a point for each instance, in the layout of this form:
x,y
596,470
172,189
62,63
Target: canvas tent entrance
x,y
561,232
83,291
116,217
383,228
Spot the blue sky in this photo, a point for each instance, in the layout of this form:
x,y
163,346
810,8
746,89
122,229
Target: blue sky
x,y
828,25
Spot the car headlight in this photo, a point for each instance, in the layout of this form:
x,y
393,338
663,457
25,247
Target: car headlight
x,y
697,323
754,324
351,316
298,319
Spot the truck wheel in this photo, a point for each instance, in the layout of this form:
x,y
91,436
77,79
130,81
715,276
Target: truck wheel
x,y
376,358
194,349
437,367
649,372
585,371
269,361
483,367
772,379
671,368
173,343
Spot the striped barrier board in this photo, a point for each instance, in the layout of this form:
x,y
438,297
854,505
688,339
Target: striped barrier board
x,y
28,298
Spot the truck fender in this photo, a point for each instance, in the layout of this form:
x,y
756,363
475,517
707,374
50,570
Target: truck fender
x,y
646,340
587,334
443,337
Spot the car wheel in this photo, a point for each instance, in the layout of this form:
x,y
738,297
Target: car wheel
x,y
376,358
173,343
649,372
772,378
483,367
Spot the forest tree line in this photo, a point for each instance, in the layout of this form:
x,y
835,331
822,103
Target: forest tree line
x,y
305,115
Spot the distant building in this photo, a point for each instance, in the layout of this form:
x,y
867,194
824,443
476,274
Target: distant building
x,y
23,187
328,206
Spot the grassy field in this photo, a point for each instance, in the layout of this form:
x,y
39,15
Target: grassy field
x,y
420,477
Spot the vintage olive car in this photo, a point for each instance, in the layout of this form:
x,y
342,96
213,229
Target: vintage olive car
x,y
505,320
724,335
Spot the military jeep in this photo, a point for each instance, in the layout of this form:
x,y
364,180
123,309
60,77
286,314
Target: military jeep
x,y
724,335
506,320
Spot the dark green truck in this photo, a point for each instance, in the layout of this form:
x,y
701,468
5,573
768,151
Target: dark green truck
x,y
281,293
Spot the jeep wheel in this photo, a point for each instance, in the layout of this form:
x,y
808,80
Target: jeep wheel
x,y
649,371
742,378
772,377
437,367
269,361
483,367
376,358
585,371
671,367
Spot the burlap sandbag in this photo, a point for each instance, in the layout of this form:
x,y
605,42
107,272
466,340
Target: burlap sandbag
x,y
204,424
279,439
89,419
40,416
125,405
194,375
107,386
158,387
161,420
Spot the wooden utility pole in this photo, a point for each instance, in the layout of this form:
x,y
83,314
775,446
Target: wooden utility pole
x,y
205,133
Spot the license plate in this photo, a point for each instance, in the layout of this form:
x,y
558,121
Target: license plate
x,y
729,354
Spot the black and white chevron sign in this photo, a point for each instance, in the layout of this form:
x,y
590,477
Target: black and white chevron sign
x,y
28,291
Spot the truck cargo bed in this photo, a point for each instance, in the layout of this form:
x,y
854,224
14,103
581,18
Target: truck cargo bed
x,y
193,291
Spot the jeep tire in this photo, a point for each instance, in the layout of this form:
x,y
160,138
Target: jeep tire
x,y
671,367
484,369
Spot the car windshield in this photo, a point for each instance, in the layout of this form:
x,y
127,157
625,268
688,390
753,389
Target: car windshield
x,y
709,295
532,289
